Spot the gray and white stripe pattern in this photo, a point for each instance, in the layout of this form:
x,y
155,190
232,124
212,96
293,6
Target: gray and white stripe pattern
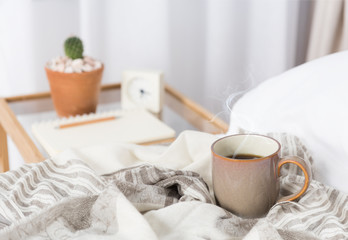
x,y
33,187
322,211
149,187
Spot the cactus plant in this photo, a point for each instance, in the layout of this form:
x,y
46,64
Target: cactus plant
x,y
73,47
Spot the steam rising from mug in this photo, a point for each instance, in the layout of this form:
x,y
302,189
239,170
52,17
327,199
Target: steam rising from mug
x,y
248,124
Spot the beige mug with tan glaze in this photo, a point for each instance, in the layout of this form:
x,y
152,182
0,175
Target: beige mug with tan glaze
x,y
246,169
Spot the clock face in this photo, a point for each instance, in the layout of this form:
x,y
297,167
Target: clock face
x,y
140,91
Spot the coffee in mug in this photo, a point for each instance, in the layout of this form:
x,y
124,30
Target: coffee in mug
x,y
245,156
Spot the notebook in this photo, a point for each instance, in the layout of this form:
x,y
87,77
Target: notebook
x,y
131,126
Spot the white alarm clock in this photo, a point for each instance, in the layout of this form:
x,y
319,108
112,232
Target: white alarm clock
x,y
142,89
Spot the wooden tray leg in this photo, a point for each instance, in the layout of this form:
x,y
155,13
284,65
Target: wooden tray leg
x,y
19,136
4,166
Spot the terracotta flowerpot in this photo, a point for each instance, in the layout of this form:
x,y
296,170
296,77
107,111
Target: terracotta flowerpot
x,y
74,93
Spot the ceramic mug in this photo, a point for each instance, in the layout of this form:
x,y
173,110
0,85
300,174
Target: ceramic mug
x,y
246,169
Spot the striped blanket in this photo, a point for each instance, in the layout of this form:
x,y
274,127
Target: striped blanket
x,y
63,198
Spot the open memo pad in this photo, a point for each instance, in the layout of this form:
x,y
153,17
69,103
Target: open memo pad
x,y
131,126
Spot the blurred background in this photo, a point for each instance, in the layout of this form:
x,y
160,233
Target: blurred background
x,y
207,49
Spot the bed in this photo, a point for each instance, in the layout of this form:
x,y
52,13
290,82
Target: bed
x,y
125,191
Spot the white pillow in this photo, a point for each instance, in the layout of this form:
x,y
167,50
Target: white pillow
x,y
311,102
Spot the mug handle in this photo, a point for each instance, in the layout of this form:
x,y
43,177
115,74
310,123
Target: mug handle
x,y
307,174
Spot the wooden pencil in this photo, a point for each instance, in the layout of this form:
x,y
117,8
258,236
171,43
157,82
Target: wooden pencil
x,y
74,124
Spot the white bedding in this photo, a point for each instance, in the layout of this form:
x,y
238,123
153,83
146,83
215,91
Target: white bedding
x,y
311,102
136,200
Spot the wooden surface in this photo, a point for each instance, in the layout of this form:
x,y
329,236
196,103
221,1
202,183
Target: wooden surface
x,y
202,113
14,129
4,166
48,94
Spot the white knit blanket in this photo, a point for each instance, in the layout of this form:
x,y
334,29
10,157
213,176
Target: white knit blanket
x,y
158,192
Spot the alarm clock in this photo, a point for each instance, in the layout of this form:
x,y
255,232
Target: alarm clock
x,y
142,89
